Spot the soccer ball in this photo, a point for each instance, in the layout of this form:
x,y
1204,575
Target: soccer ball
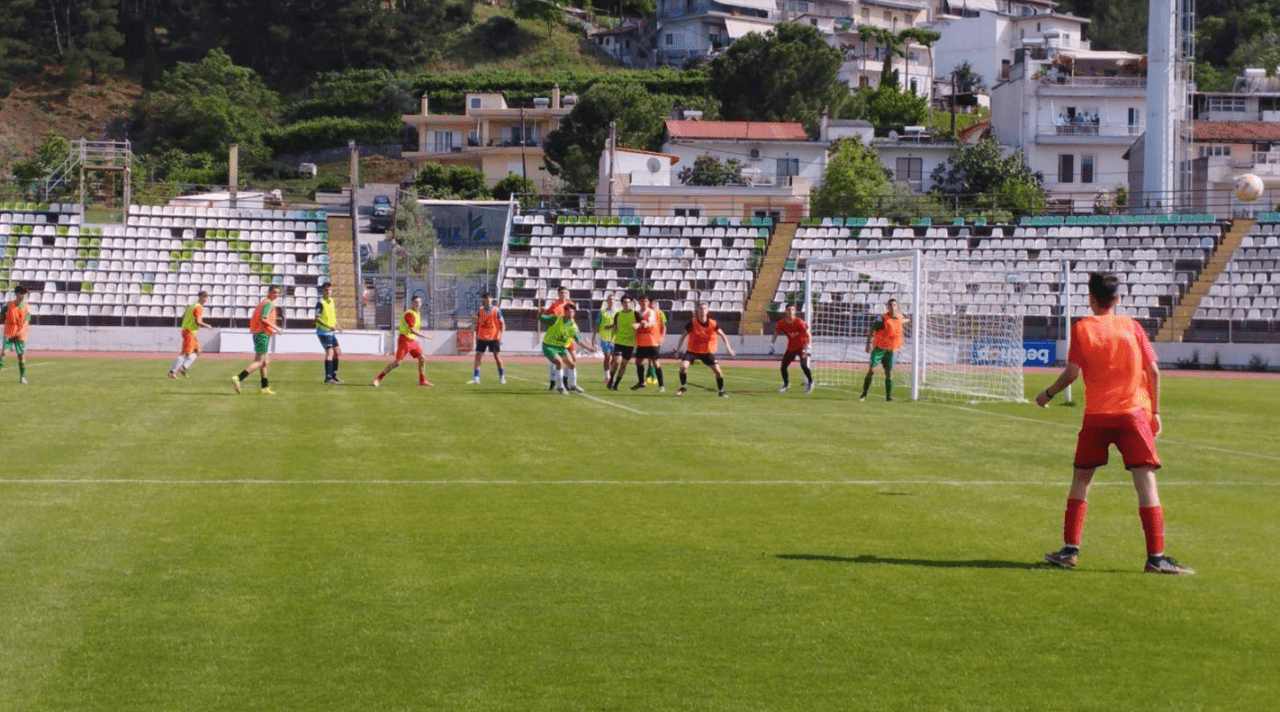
x,y
1248,187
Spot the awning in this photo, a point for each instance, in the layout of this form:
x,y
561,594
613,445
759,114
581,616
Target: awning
x,y
1100,55
741,28
766,5
988,5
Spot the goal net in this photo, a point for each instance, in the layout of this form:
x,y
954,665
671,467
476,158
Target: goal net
x,y
963,341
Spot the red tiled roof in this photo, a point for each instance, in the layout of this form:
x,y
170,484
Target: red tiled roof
x,y
1239,131
741,130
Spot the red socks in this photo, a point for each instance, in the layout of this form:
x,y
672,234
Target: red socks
x,y
1153,528
1073,522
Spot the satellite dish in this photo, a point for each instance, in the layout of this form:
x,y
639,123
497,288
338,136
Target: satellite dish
x,y
893,135
654,164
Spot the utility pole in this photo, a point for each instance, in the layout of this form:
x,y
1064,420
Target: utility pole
x,y
613,156
354,168
524,169
953,105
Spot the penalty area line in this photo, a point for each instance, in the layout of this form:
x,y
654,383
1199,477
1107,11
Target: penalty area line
x,y
591,397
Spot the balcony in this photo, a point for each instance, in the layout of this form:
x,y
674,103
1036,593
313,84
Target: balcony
x,y
1055,79
1090,129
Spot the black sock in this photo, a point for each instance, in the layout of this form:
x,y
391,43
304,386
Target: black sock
x,y
243,375
719,383
659,370
639,373
264,381
866,383
786,380
808,375
335,366
684,377
888,388
328,369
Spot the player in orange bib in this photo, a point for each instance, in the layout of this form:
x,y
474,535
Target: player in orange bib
x,y
1121,407
703,335
556,308
883,339
489,328
648,340
407,335
16,316
262,326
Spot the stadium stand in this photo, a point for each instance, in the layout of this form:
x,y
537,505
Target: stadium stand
x,y
1243,303
145,271
676,260
1022,265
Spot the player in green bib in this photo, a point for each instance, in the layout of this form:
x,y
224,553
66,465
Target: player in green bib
x,y
623,336
603,336
561,331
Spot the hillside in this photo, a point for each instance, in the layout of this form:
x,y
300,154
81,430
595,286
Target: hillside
x,y
35,109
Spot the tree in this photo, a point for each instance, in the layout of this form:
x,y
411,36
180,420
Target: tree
x,y
788,74
980,177
708,170
852,183
414,231
515,185
548,11
51,152
99,38
573,151
452,183
203,107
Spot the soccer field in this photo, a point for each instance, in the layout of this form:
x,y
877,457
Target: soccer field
x,y
169,545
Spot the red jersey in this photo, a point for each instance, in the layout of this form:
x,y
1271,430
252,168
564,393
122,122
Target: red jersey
x,y
1113,353
650,331
702,336
795,332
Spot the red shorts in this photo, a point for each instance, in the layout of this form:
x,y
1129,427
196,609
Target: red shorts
x,y
407,346
189,342
791,355
1130,432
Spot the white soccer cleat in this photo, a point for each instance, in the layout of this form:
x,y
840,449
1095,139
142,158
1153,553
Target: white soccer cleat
x,y
503,380
808,387
377,382
783,389
473,382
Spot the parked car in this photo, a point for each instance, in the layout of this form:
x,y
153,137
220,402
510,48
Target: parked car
x,y
381,220
381,201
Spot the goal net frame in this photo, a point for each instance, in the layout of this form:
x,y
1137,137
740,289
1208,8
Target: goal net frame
x,y
955,349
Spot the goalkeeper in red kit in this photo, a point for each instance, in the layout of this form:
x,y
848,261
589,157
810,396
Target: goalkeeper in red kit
x,y
1121,407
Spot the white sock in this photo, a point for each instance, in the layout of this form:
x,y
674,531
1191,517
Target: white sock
x,y
573,378
558,376
177,363
191,359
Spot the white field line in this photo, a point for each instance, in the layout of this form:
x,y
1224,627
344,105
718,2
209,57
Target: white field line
x,y
590,397
1170,441
615,483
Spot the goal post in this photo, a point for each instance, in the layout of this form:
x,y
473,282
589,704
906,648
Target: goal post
x,y
963,341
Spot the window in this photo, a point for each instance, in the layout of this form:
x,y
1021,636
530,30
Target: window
x,y
671,39
1086,168
1135,116
442,141
1066,168
1215,149
911,172
688,212
866,13
798,6
788,167
475,102
473,138
1227,103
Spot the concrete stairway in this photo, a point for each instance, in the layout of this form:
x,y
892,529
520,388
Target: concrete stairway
x,y
767,279
1176,325
342,271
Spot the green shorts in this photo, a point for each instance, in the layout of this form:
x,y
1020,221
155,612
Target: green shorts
x,y
19,346
881,356
551,351
261,342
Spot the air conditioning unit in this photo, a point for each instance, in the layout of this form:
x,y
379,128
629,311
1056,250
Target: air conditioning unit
x,y
755,154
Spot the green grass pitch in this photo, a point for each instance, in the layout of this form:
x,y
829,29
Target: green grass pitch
x,y
168,545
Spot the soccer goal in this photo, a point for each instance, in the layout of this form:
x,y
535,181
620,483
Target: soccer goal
x,y
963,343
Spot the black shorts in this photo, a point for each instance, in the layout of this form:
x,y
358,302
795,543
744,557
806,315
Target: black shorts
x,y
646,352
490,346
623,351
708,359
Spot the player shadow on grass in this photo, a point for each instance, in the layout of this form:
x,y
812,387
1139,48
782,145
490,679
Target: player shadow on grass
x,y
945,564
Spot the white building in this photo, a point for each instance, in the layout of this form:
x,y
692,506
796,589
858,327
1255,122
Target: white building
x,y
1072,110
689,29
